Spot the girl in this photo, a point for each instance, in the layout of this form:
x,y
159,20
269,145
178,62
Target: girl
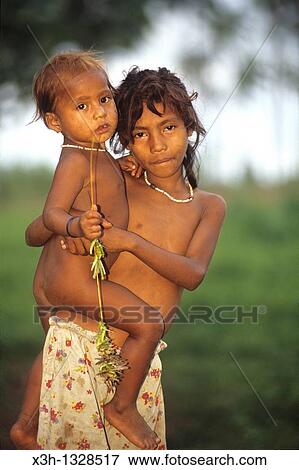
x,y
173,229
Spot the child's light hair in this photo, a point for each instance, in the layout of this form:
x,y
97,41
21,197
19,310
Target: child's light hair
x,y
49,83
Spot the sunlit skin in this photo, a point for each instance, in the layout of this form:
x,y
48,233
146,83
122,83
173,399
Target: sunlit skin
x,y
160,143
86,112
167,246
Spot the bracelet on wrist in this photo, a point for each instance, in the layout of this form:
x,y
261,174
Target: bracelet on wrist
x,y
67,228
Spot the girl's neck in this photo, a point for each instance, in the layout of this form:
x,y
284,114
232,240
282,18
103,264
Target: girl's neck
x,y
174,184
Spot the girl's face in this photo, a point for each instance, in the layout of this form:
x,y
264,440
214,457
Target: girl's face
x,y
87,111
160,142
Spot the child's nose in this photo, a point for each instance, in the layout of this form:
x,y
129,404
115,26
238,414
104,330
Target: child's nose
x,y
99,111
158,144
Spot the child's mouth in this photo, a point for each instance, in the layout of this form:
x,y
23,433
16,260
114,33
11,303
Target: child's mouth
x,y
162,160
102,129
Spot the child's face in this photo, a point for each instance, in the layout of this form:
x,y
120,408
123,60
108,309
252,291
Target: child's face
x,y
87,112
160,142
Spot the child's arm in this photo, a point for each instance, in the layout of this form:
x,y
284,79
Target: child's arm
x,y
68,181
187,270
36,233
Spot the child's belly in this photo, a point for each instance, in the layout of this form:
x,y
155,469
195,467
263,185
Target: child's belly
x,y
62,272
54,282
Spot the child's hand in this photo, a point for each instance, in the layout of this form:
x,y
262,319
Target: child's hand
x,y
76,246
130,165
92,224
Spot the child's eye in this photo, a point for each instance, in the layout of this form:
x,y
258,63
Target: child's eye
x,y
106,99
171,127
81,106
139,135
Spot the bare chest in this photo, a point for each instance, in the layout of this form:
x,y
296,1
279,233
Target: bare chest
x,y
165,223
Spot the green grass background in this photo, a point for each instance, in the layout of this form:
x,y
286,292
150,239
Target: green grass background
x,y
209,403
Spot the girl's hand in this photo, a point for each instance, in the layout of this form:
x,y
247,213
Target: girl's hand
x,y
116,239
76,246
92,224
130,165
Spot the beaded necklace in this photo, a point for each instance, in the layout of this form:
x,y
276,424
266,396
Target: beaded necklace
x,y
153,186
82,148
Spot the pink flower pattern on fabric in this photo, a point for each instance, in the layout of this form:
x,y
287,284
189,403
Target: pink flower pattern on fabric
x,y
74,394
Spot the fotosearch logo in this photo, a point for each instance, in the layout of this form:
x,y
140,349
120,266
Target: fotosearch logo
x,y
221,314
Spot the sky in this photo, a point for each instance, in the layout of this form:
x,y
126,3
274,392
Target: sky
x,y
259,130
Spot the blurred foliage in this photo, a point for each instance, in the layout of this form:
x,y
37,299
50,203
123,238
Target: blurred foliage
x,y
107,24
100,24
209,405
236,31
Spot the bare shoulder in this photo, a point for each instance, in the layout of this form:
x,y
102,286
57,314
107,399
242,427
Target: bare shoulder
x,y
210,202
73,158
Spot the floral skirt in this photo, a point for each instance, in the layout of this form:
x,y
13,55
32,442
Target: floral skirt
x,y
72,394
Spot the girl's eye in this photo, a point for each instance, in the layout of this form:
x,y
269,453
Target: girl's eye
x,y
81,106
171,127
139,135
106,99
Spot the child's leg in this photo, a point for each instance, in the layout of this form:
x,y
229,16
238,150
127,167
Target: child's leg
x,y
138,349
24,431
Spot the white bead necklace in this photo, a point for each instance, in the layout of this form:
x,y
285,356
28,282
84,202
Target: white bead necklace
x,y
82,148
153,186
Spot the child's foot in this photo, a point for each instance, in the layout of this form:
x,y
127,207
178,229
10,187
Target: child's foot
x,y
22,438
132,426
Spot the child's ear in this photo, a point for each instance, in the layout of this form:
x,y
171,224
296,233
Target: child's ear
x,y
53,122
190,132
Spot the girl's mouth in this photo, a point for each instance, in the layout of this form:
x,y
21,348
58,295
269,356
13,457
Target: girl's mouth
x,y
161,161
102,129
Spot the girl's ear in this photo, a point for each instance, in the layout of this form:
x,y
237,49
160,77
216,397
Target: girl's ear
x,y
190,132
53,122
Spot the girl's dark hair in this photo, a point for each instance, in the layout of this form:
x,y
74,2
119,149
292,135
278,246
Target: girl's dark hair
x,y
157,86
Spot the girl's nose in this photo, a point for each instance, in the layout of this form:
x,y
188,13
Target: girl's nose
x,y
158,144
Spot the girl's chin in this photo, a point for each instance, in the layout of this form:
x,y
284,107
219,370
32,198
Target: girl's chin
x,y
162,172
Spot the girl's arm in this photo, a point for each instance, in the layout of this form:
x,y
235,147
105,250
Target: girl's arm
x,y
188,270
36,233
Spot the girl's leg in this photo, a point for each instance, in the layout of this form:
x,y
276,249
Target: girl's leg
x,y
24,432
